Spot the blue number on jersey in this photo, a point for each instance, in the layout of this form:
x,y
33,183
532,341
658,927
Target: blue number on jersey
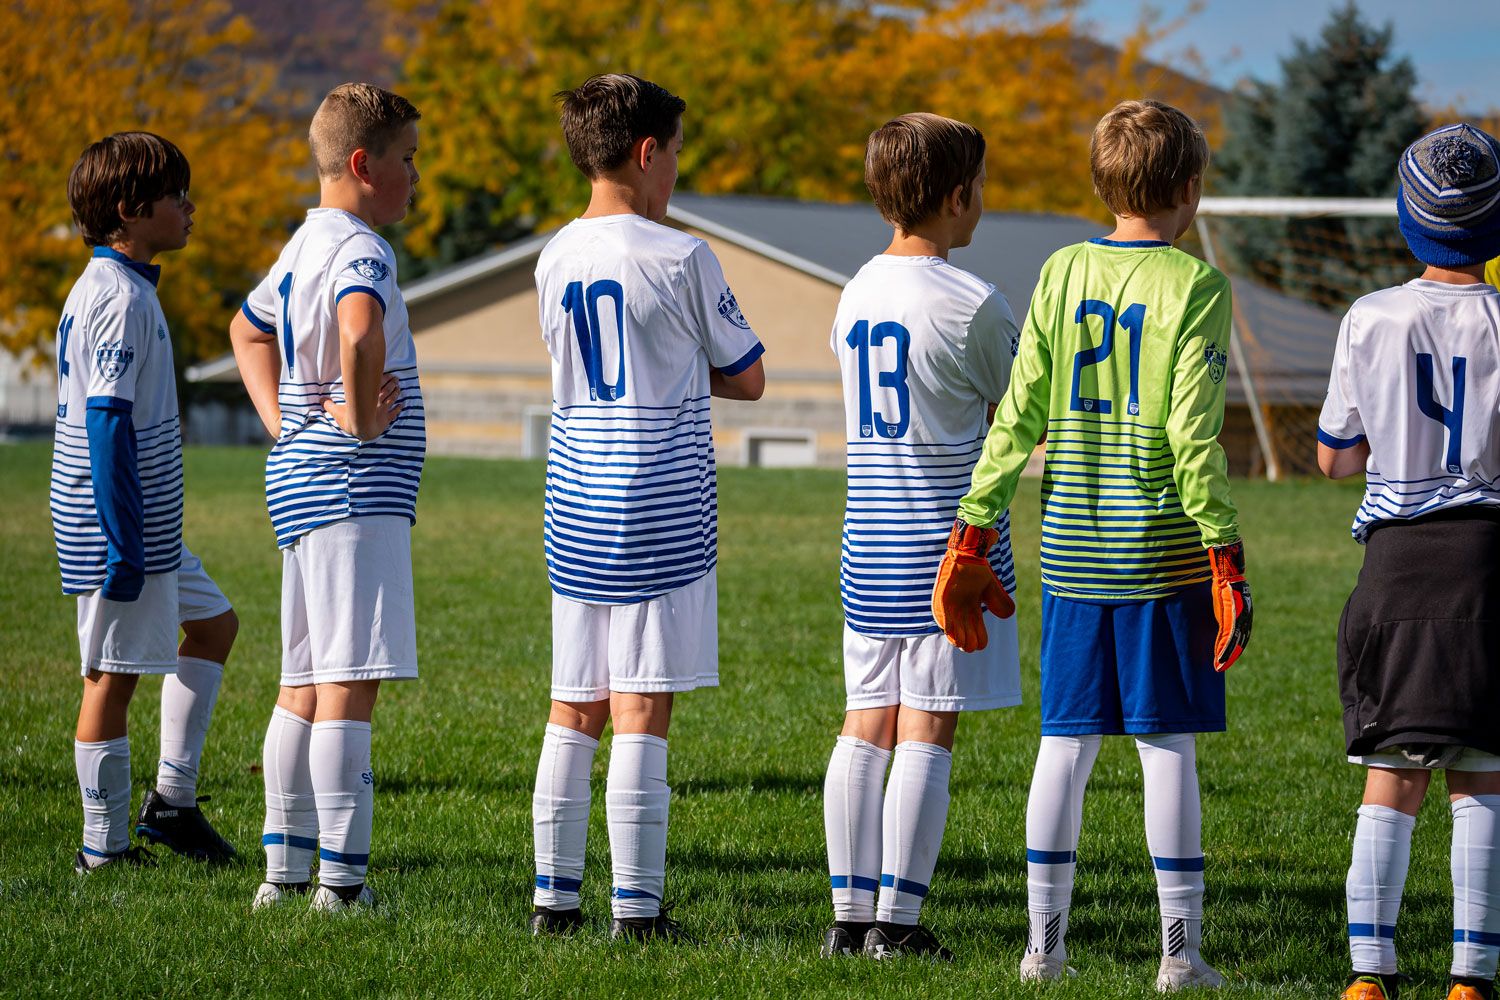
x,y
63,368
584,306
1452,420
863,337
285,291
1133,319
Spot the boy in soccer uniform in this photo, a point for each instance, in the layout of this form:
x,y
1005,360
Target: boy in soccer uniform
x,y
642,329
117,508
326,352
1121,366
1412,403
925,350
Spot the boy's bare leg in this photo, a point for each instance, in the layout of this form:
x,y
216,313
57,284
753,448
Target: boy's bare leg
x,y
560,811
343,782
1475,802
1377,869
101,754
636,800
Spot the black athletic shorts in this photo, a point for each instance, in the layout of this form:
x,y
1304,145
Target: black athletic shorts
x,y
1419,640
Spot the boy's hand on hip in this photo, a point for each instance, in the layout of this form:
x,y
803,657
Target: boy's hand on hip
x,y
966,585
1232,606
387,408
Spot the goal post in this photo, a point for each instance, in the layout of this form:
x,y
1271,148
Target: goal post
x,y
1295,265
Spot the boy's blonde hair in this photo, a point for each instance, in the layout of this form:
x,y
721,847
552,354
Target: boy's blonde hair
x,y
914,162
356,116
1142,154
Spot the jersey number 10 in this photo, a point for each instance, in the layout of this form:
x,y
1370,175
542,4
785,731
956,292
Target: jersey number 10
x,y
1133,319
583,304
863,337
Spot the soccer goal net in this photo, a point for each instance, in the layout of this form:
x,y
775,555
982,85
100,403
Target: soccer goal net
x,y
1296,264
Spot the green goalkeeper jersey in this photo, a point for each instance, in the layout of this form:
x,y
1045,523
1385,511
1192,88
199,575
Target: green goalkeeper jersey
x,y
1122,363
1492,272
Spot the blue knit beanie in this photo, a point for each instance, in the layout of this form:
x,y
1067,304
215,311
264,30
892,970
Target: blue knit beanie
x,y
1449,202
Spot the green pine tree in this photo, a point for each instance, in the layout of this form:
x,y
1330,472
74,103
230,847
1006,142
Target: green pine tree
x,y
1333,127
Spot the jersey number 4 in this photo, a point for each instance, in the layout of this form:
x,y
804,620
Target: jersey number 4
x,y
583,304
1133,319
863,337
1452,420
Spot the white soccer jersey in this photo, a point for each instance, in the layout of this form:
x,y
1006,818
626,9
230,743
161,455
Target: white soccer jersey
x,y
316,474
1417,372
634,314
924,347
113,352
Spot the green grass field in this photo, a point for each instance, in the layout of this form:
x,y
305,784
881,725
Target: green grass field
x,y
455,756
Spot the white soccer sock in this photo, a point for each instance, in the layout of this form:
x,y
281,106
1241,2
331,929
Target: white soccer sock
x,y
852,800
1174,835
915,813
290,835
636,800
1377,874
344,788
104,783
187,706
1476,886
560,815
1054,817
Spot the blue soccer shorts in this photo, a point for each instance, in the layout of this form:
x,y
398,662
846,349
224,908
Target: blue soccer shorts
x,y
1130,666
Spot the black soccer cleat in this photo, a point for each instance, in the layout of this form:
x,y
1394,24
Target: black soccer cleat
x,y
184,829
899,940
134,857
547,922
844,938
660,927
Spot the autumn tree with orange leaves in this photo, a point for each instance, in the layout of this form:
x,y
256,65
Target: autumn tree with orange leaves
x,y
78,71
781,96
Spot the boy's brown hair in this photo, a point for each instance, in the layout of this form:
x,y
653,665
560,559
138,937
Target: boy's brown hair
x,y
129,170
604,118
356,116
914,162
1142,154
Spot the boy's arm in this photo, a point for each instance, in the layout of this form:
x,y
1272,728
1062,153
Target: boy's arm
x,y
735,366
1342,447
113,470
365,412
1196,414
259,361
747,384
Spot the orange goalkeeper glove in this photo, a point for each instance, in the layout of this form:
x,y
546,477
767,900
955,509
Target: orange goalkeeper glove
x,y
966,585
1232,608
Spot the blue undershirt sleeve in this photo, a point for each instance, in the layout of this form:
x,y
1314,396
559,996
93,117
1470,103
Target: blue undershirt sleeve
x,y
117,495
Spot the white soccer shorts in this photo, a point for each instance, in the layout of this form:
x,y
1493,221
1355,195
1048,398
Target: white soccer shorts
x,y
347,612
1469,759
669,643
140,636
929,673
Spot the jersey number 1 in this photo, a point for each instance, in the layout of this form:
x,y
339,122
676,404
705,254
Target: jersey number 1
x,y
583,304
863,337
1133,319
1452,420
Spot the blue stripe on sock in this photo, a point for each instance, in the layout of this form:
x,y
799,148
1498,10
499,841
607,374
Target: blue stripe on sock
x,y
98,854
169,764
559,883
1371,930
1178,864
1488,938
288,840
324,854
1051,857
853,882
903,885
619,893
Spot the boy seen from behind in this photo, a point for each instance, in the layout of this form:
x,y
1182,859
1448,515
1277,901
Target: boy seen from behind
x,y
642,329
326,352
117,503
1412,403
1121,367
925,349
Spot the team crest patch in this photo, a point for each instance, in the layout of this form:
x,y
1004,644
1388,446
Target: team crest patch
x,y
1217,361
370,269
113,359
161,332
730,310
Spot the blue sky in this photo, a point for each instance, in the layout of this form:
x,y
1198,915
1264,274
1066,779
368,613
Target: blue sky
x,y
1453,44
